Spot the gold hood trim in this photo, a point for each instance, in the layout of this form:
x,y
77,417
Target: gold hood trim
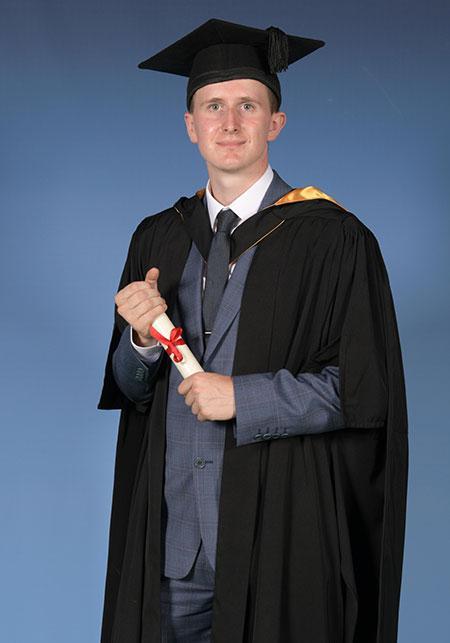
x,y
297,194
304,194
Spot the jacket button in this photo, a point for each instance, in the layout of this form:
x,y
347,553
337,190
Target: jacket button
x,y
267,436
284,435
275,435
258,436
199,463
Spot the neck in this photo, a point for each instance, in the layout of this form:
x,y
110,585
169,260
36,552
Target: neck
x,y
227,186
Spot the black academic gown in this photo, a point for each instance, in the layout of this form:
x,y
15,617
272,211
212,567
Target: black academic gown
x,y
311,528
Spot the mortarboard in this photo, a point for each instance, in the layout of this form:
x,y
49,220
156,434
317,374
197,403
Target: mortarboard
x,y
218,51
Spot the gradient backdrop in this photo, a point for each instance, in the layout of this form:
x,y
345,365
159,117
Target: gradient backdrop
x,y
89,146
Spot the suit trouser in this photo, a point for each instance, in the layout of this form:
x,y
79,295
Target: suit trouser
x,y
186,603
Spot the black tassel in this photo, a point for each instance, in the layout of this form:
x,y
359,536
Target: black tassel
x,y
277,50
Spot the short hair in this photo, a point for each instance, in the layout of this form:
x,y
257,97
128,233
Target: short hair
x,y
273,101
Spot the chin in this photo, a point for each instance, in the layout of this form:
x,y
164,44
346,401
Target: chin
x,y
232,167
233,163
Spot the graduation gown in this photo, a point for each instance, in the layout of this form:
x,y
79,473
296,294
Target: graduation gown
x,y
311,528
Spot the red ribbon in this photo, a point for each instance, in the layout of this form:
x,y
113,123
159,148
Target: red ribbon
x,y
172,343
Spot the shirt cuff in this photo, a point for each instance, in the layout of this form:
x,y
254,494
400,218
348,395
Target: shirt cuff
x,y
148,353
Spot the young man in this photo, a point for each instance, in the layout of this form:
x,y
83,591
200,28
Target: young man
x,y
254,501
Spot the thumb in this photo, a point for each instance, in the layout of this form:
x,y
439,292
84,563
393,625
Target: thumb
x,y
152,277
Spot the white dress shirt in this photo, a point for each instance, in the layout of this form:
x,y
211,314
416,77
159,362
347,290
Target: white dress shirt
x,y
245,205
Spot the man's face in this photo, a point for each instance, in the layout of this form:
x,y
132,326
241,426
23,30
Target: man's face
x,y
232,123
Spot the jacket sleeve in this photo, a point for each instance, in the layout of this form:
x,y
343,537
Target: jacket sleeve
x,y
274,405
135,374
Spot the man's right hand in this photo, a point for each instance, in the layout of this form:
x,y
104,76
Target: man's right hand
x,y
140,303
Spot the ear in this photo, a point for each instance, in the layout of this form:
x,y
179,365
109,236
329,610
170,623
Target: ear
x,y
277,122
190,127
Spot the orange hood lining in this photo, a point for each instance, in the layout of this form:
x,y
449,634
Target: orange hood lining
x,y
297,194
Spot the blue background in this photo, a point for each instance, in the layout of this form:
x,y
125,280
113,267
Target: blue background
x,y
89,146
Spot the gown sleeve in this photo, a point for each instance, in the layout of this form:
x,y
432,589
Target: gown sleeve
x,y
366,346
111,396
368,320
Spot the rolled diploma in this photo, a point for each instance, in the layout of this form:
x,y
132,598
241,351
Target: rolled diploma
x,y
188,365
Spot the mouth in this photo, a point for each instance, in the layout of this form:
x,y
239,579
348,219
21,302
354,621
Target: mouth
x,y
231,143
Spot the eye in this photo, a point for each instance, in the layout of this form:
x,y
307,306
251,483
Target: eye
x,y
248,107
213,107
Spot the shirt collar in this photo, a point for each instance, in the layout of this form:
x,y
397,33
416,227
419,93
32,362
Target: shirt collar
x,y
246,204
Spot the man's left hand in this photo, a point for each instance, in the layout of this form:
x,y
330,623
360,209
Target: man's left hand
x,y
210,396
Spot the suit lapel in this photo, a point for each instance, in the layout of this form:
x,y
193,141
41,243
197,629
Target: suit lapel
x,y
194,214
231,301
230,304
262,224
275,191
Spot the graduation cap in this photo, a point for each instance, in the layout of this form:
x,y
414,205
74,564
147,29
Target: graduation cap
x,y
218,51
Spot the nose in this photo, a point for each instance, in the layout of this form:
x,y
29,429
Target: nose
x,y
231,121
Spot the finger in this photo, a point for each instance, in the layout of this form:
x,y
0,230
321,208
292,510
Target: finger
x,y
129,290
135,298
140,304
148,316
142,323
189,398
152,276
195,408
185,385
133,313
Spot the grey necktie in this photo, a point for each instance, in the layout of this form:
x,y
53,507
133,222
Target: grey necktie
x,y
217,267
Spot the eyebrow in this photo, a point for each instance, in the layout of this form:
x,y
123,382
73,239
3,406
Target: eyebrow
x,y
217,99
